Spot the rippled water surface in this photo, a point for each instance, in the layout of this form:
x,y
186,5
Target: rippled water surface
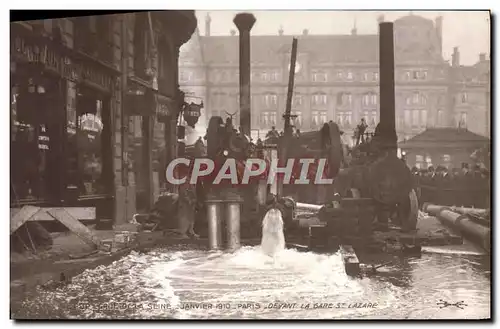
x,y
247,284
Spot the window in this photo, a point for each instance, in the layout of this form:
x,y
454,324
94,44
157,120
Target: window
x,y
264,76
347,119
419,161
319,99
319,77
323,118
417,99
416,75
463,120
348,99
373,119
297,100
423,118
428,161
344,119
366,76
264,119
314,119
415,118
350,75
340,75
375,76
408,118
344,99
340,118
271,100
297,121
87,149
369,99
274,76
463,97
446,158
440,118
272,118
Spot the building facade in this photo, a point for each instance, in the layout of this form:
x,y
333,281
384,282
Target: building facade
x,y
79,87
337,79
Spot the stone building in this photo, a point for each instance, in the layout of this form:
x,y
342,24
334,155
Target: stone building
x,y
337,79
82,90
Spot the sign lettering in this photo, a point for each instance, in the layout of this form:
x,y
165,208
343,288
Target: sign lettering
x,y
65,66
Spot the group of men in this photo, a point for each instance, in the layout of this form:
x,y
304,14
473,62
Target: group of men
x,y
454,187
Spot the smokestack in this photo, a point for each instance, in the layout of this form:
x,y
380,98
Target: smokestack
x,y
208,20
439,33
386,129
244,22
305,32
354,29
455,57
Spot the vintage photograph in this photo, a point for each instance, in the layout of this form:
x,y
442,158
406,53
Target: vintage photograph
x,y
221,164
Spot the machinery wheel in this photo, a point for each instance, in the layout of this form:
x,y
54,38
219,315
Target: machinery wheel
x,y
408,212
331,145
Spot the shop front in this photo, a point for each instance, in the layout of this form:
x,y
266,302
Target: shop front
x,y
61,126
150,112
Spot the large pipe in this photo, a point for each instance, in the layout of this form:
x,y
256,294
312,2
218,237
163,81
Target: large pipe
x,y
480,233
214,218
244,22
233,225
387,125
472,211
308,207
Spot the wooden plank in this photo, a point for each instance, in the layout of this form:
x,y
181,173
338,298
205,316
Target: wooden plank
x,y
74,226
351,261
17,219
80,213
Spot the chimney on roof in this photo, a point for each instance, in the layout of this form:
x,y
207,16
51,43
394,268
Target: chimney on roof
x,y
208,20
380,18
482,57
305,32
439,33
233,32
354,29
280,31
455,57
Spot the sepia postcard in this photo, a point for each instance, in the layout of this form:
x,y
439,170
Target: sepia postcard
x,y
261,164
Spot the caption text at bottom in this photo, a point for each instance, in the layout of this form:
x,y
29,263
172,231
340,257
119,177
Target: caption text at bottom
x,y
225,306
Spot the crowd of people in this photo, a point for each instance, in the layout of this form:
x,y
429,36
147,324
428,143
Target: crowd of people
x,y
468,187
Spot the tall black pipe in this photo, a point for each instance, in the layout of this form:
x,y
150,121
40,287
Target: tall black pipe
x,y
387,126
244,22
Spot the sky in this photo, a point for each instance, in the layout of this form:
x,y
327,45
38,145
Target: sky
x,y
468,30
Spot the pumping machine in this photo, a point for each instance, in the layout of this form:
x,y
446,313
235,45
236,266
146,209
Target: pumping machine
x,y
372,193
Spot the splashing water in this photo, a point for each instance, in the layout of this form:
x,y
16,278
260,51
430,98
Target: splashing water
x,y
250,284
